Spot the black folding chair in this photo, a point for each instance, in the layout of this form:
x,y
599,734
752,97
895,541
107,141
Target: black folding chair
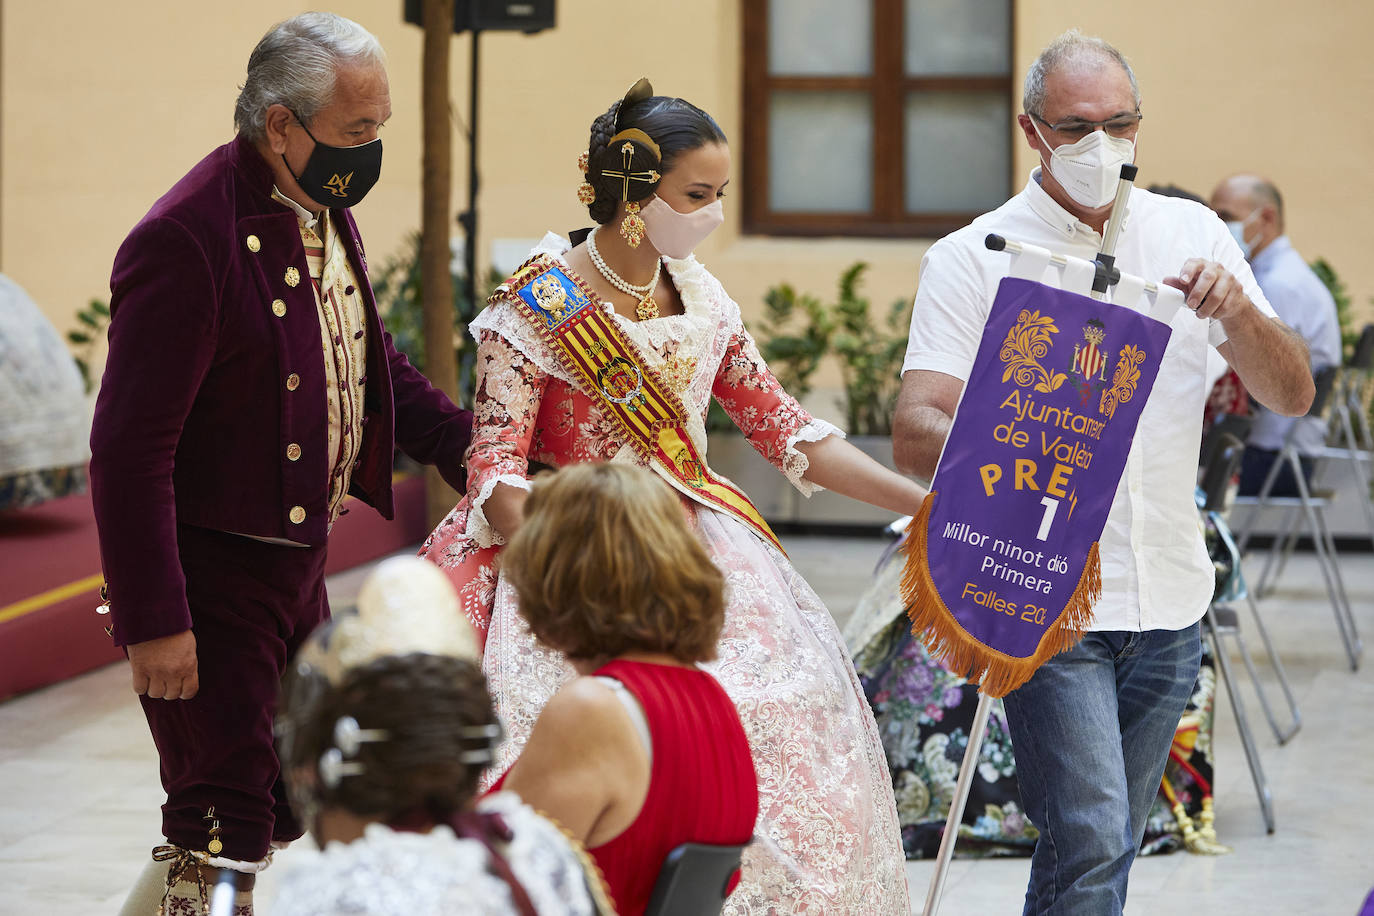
x,y
693,880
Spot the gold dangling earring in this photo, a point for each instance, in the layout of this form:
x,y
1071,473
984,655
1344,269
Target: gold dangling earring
x,y
632,226
586,194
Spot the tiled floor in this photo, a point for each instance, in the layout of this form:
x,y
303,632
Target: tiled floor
x,y
78,780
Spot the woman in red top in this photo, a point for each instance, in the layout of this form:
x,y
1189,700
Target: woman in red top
x,y
644,751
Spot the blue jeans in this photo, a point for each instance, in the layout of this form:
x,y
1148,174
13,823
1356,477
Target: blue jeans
x,y
1091,733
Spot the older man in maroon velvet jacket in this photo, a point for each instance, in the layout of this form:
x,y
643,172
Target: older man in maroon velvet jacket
x,y
250,387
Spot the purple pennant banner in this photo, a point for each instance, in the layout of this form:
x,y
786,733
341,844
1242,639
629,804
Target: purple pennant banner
x,y
1002,567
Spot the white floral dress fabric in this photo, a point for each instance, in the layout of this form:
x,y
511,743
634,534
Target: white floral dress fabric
x,y
397,873
827,840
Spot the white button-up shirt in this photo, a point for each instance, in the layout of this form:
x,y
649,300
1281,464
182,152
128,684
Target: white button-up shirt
x,y
1156,574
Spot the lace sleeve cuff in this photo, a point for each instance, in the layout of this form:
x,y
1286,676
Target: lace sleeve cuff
x,y
479,529
795,462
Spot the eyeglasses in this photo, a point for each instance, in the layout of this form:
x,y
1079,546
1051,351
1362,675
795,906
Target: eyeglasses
x,y
1077,128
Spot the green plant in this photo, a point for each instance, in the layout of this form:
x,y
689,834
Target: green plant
x,y
94,318
801,332
797,331
870,358
1336,286
399,290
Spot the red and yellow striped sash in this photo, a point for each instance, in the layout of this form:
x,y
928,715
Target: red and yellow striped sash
x,y
610,369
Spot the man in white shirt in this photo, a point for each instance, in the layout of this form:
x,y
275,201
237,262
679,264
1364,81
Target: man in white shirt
x,y
1091,730
1253,210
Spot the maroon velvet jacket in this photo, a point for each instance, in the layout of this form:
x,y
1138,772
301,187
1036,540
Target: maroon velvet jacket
x,y
195,411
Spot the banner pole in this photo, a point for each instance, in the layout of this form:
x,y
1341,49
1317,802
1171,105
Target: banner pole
x,y
956,805
1106,273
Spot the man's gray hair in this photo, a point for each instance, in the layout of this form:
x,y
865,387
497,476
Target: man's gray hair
x,y
1071,47
296,63
1264,192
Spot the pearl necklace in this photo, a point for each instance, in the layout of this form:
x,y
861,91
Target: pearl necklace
x,y
647,307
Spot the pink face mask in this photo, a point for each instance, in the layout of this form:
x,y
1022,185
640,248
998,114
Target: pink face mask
x,y
678,234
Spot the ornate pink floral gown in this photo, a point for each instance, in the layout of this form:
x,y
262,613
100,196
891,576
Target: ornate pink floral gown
x,y
827,839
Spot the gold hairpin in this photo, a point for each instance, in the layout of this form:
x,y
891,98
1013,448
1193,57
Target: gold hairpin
x,y
627,151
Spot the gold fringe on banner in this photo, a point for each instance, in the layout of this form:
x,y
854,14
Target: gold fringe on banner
x,y
959,652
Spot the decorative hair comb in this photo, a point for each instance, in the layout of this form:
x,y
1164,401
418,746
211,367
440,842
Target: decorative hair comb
x,y
641,90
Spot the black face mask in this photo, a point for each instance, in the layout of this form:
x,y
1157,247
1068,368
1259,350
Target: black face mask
x,y
339,176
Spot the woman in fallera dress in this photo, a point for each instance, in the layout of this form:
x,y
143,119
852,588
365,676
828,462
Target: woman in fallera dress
x,y
610,349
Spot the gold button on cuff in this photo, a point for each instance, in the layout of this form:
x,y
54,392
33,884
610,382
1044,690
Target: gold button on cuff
x,y
279,308
297,515
293,381
293,276
253,243
293,451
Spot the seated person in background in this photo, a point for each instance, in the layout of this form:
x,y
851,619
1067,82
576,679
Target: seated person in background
x,y
644,751
385,727
1253,211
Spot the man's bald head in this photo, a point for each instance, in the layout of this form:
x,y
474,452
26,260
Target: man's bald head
x,y
1248,189
1255,204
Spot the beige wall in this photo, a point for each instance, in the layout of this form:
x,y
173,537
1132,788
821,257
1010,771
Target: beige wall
x,y
105,105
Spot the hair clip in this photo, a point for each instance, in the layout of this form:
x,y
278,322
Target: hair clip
x,y
493,731
333,768
482,757
348,736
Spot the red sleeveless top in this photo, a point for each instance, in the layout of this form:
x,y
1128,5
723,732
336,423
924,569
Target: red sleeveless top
x,y
702,787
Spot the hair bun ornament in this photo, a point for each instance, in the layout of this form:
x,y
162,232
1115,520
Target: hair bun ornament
x,y
629,166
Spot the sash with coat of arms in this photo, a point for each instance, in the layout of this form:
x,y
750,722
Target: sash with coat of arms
x,y
609,368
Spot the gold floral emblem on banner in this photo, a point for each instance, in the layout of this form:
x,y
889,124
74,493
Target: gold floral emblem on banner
x,y
1125,377
1027,343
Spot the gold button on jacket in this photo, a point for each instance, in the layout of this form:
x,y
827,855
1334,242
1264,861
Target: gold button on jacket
x,y
293,381
297,514
293,276
293,451
279,308
253,243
